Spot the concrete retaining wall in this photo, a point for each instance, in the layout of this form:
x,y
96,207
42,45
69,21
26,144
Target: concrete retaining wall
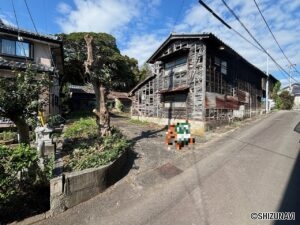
x,y
70,189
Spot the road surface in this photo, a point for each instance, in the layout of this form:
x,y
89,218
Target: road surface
x,y
253,169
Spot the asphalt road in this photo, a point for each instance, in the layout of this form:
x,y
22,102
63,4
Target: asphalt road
x,y
253,169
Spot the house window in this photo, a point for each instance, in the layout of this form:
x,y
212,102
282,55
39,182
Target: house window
x,y
175,100
15,48
217,61
176,65
224,67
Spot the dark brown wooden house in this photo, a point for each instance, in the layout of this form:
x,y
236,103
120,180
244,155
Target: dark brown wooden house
x,y
83,98
199,78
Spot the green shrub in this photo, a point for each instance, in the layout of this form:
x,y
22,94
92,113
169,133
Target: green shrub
x,y
18,169
24,188
119,105
83,128
105,151
48,167
8,135
56,120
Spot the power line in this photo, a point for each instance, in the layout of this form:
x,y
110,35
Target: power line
x,y
30,16
238,19
178,14
257,42
19,37
13,5
272,34
214,14
227,25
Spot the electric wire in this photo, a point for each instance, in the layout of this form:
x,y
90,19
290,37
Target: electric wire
x,y
178,14
227,25
49,47
19,37
260,49
290,63
15,14
257,42
28,10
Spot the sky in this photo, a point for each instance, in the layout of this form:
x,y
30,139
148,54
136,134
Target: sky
x,y
140,27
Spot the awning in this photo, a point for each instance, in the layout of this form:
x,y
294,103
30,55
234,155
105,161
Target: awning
x,y
176,89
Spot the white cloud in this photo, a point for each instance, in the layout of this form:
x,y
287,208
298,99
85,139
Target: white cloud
x,y
141,26
6,20
282,18
64,8
97,15
127,20
142,47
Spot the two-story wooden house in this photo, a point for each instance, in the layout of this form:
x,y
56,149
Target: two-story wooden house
x,y
199,78
18,48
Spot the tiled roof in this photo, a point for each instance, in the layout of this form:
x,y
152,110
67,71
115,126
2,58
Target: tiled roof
x,y
22,32
116,94
11,64
176,89
88,89
131,93
295,89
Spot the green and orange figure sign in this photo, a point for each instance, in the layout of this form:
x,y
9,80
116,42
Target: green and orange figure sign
x,y
180,134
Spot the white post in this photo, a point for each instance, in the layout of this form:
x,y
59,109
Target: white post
x,y
290,77
267,87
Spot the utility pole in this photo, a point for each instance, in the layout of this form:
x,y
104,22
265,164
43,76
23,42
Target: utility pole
x,y
267,86
290,78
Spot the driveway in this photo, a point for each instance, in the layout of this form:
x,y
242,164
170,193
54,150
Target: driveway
x,y
252,169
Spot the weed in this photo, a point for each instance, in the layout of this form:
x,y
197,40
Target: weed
x,y
139,122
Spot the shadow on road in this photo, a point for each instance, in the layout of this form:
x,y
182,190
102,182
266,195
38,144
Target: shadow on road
x,y
115,177
291,199
132,155
148,134
113,115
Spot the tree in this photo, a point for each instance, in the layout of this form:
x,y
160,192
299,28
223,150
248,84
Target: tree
x,y
287,100
19,98
275,96
124,69
99,73
106,69
283,100
144,72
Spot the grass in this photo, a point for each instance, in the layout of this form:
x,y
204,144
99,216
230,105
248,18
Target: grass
x,y
82,128
74,116
139,122
86,149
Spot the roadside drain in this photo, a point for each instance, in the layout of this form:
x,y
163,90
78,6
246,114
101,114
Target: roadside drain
x,y
168,170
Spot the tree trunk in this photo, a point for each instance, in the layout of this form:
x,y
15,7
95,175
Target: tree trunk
x,y
96,111
104,113
23,130
101,111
